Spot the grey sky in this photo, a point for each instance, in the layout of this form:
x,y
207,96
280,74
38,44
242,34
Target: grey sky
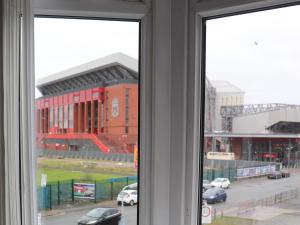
x,y
258,52
64,43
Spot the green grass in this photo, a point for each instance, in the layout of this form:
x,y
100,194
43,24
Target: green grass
x,y
54,175
68,169
232,221
88,166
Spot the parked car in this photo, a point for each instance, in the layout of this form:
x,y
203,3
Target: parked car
x,y
101,216
133,186
285,173
206,185
214,195
129,197
275,175
221,183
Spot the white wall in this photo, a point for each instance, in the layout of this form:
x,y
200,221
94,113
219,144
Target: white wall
x,y
258,122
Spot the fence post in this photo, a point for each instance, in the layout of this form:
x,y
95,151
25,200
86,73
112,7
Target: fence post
x,y
72,183
111,190
127,182
95,196
50,196
58,192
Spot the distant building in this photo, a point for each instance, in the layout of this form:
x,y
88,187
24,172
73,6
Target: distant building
x,y
227,94
210,107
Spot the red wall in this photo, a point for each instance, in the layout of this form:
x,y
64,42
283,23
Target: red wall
x,y
115,127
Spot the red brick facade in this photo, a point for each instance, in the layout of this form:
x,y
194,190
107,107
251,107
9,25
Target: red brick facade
x,y
109,114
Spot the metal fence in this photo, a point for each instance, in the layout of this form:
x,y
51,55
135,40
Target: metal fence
x,y
62,192
249,206
237,164
93,155
279,197
211,174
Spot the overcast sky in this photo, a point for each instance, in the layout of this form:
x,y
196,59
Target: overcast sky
x,y
259,53
64,43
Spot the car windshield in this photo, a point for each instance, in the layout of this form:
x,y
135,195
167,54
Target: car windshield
x,y
211,192
218,180
123,193
96,213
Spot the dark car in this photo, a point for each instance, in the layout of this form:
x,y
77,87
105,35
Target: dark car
x,y
214,195
101,216
275,175
285,174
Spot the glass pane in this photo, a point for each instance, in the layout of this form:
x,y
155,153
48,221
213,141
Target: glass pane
x,y
252,122
87,121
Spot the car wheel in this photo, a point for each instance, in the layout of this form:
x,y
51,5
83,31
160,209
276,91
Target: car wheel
x,y
131,203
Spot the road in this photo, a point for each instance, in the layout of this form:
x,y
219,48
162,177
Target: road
x,y
239,192
70,217
257,188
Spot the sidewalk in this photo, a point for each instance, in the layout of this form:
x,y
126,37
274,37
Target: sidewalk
x,y
285,213
77,208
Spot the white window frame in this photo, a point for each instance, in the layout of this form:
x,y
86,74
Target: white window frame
x,y
170,100
201,10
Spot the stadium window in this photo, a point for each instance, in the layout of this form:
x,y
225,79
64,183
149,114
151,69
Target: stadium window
x,y
51,117
248,147
126,109
71,116
74,163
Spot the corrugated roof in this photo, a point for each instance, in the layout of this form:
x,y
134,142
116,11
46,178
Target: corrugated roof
x,y
225,87
101,63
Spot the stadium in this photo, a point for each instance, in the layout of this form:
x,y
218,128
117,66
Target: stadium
x,y
90,108
253,132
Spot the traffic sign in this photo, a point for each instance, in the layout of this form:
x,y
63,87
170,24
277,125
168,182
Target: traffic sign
x,y
206,214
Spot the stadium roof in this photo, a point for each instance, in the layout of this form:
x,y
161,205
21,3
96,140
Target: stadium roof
x,y
253,135
104,71
223,86
285,127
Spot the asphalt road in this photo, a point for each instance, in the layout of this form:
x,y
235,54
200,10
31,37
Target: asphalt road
x,y
239,193
257,188
71,217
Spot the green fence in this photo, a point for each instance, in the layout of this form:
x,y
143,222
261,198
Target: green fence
x,y
62,192
211,174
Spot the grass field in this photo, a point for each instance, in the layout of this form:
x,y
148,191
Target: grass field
x,y
232,221
54,175
67,169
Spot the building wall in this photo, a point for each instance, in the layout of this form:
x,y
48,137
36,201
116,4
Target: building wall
x,y
110,112
117,126
257,123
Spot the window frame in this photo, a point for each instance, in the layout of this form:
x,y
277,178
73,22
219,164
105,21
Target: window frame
x,y
169,115
118,10
201,12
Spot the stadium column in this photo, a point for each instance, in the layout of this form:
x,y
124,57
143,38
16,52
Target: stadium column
x,y
99,116
86,125
44,120
92,116
79,117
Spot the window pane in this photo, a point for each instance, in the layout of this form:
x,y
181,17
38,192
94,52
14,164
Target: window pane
x,y
87,121
252,123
